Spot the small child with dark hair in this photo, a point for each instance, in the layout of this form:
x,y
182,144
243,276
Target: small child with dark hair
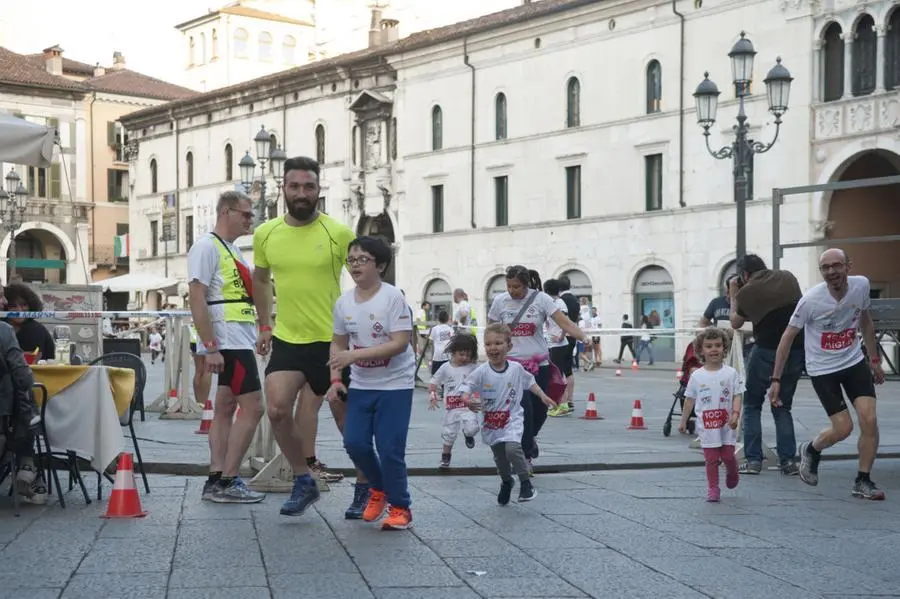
x,y
440,336
715,393
463,351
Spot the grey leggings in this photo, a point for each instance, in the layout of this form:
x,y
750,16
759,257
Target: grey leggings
x,y
510,459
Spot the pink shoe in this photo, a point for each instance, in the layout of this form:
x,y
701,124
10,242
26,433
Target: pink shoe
x,y
713,495
732,479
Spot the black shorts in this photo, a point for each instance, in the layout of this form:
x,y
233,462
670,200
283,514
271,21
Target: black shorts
x,y
193,348
562,359
240,374
310,359
856,381
435,365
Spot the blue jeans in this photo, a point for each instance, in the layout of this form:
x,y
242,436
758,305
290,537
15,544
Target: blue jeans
x,y
384,416
759,369
642,345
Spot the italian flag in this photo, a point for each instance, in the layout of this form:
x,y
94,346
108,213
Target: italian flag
x,y
122,246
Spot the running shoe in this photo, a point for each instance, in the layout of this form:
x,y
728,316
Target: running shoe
x,y
505,493
527,492
399,518
304,494
209,489
470,442
809,465
236,492
320,470
866,489
750,468
34,492
445,462
790,468
713,495
376,506
556,412
360,500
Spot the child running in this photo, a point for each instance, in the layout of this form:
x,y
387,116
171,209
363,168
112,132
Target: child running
x,y
463,350
715,392
440,336
501,384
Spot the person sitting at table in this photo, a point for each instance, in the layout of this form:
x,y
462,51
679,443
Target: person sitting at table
x,y
31,334
18,413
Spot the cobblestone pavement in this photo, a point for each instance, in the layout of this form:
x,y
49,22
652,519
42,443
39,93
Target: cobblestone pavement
x,y
616,534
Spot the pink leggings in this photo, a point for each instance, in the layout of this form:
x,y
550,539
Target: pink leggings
x,y
712,455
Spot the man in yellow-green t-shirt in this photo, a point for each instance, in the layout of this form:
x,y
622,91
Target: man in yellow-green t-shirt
x,y
304,252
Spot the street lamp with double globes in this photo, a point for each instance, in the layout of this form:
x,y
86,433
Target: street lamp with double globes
x,y
12,209
741,150
265,153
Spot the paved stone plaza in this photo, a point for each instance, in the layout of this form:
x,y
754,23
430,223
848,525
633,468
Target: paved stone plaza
x,y
606,534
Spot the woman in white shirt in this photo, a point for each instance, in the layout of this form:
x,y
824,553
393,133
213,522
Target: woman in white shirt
x,y
525,308
646,341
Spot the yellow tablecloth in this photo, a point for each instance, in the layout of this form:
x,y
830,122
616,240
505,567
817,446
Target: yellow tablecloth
x,y
57,377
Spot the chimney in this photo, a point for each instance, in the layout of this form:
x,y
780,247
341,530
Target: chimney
x,y
99,71
53,60
118,61
390,30
375,27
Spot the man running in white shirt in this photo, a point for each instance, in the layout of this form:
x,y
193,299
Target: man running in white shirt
x,y
832,314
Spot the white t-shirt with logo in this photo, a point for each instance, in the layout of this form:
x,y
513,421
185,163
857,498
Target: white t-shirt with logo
x,y
451,378
554,330
440,336
369,324
713,392
528,335
155,341
503,419
831,327
203,267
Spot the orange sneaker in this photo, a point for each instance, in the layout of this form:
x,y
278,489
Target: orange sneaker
x,y
399,518
375,507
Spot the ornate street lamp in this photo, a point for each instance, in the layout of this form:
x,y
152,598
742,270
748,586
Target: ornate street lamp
x,y
265,153
740,151
12,208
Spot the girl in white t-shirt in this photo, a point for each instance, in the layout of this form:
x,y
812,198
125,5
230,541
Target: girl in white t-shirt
x,y
500,385
463,350
440,336
715,392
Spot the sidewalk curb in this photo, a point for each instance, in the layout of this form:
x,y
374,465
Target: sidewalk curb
x,y
181,469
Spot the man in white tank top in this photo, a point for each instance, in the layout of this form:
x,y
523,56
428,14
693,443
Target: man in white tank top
x,y
831,315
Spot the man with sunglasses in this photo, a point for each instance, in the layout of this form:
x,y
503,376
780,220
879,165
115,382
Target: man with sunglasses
x,y
220,297
832,314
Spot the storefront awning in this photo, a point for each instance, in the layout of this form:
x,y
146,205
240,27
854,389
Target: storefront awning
x,y
137,282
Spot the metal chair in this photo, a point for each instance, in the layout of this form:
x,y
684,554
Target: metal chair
x,y
46,455
125,360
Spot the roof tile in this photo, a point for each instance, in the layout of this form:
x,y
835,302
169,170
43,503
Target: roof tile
x,y
131,83
16,69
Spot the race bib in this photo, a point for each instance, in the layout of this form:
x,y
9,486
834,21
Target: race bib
x,y
455,401
713,419
837,341
379,363
495,420
524,329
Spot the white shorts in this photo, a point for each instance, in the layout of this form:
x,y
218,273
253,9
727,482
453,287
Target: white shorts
x,y
455,419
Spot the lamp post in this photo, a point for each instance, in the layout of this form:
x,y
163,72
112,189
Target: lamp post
x,y
265,153
12,208
742,149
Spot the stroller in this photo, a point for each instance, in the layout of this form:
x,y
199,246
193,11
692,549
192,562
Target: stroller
x,y
689,364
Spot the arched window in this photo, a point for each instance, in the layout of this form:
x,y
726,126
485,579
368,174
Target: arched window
x,y
240,43
191,51
437,128
573,103
265,46
654,87
320,144
202,48
832,63
189,168
892,52
215,44
229,163
288,49
153,180
500,116
865,52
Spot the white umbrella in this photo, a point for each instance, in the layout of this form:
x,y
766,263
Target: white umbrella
x,y
22,142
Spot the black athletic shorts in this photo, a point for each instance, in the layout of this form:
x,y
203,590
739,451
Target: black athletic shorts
x,y
311,359
856,381
562,359
241,374
435,365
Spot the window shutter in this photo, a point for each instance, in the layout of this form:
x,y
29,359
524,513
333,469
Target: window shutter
x,y
111,133
110,185
55,181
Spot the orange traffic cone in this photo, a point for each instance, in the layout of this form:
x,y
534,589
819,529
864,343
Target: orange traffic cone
x,y
634,365
206,419
590,411
124,501
618,372
637,417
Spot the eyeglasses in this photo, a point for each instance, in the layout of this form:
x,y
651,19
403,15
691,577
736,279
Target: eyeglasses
x,y
833,266
244,213
360,261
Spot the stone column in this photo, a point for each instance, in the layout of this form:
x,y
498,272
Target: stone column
x,y
82,158
879,59
818,72
848,64
382,141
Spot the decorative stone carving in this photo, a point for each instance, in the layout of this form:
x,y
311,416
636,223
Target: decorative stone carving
x,y
828,122
890,113
861,117
796,5
373,143
130,151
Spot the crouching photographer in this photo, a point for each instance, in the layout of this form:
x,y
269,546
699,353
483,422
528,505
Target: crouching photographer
x,y
767,298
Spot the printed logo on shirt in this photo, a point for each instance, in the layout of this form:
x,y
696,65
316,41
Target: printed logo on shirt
x,y
838,341
377,363
713,419
495,420
524,329
454,401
